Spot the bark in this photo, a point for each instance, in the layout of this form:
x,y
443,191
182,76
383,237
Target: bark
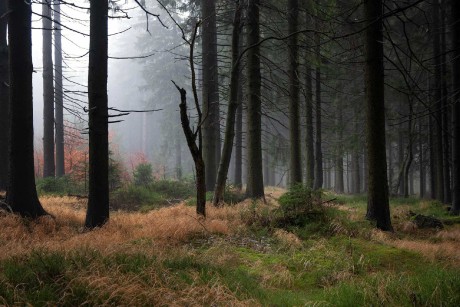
x,y
210,100
98,198
22,195
356,178
400,186
294,87
231,112
410,154
378,208
255,182
421,161
318,184
48,92
4,99
339,174
59,95
445,112
309,147
438,151
238,180
196,154
456,105
432,160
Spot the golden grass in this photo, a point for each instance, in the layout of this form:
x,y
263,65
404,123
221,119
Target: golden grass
x,y
165,226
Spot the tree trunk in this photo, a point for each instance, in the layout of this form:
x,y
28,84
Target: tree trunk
x,y
456,105
195,151
432,160
410,155
355,168
210,100
318,151
231,112
309,141
339,173
294,86
98,198
4,99
22,195
421,161
445,111
48,92
378,208
255,182
238,180
59,95
438,102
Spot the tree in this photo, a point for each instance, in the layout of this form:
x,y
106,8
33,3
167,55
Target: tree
x,y
4,98
22,195
456,105
294,86
378,208
48,92
438,145
309,148
318,184
210,90
255,182
231,112
59,94
98,198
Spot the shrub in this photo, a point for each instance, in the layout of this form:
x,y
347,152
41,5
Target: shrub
x,y
143,174
298,206
58,186
135,197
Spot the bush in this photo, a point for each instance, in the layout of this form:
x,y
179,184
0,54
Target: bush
x,y
172,189
135,197
143,174
298,206
57,186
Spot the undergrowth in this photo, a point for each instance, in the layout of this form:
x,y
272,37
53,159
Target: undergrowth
x,y
247,254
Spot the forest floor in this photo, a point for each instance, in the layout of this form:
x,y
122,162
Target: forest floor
x,y
234,257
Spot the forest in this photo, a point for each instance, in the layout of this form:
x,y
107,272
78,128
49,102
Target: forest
x,y
230,152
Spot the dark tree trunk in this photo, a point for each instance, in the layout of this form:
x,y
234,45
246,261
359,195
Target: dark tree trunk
x,y
48,92
98,198
59,95
438,103
294,86
4,99
421,160
318,151
309,141
355,168
410,154
432,160
339,173
255,181
238,180
400,186
196,154
22,195
378,208
446,111
211,125
231,112
456,105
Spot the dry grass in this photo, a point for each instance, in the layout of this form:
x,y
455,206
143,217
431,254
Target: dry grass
x,y
167,226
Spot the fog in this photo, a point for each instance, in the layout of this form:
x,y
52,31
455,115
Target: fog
x,y
133,84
